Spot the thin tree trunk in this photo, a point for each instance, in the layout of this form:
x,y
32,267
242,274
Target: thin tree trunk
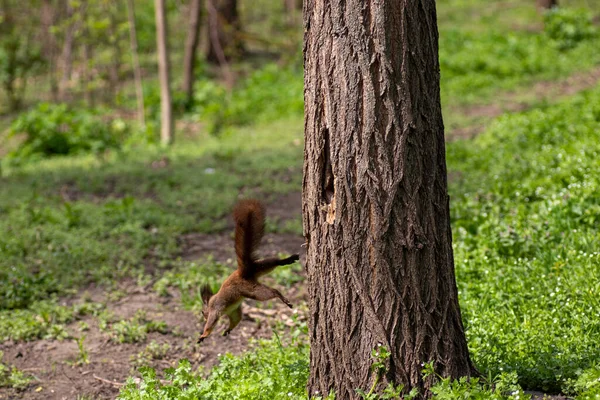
x,y
67,52
375,203
547,4
87,71
224,27
116,45
137,71
49,18
166,115
291,10
191,45
215,43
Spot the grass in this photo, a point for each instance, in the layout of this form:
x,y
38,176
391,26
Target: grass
x,y
525,213
526,217
67,222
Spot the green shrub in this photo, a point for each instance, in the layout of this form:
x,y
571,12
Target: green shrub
x,y
568,27
270,93
57,129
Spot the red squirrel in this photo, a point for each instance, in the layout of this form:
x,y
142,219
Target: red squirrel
x,y
249,217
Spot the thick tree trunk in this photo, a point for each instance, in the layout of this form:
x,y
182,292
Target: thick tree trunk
x,y
166,114
547,4
375,203
224,28
137,71
191,45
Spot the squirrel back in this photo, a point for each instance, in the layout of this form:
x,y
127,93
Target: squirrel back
x,y
249,217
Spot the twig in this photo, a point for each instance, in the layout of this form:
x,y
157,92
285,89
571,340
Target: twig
x,y
117,384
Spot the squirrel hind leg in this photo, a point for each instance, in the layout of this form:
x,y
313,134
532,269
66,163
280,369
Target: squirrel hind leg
x,y
266,265
262,293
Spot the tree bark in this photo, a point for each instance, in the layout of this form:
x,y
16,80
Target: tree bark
x,y
137,71
375,203
166,114
191,45
547,4
224,28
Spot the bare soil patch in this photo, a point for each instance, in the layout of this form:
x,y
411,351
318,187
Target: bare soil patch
x,y
58,375
54,364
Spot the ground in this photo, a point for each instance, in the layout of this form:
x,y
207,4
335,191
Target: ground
x,y
54,364
57,366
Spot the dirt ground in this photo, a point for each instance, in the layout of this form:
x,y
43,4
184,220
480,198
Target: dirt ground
x,y
53,364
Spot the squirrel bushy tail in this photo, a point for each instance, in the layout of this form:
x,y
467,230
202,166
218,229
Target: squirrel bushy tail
x,y
249,217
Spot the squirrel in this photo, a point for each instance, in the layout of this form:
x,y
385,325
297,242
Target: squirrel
x,y
249,217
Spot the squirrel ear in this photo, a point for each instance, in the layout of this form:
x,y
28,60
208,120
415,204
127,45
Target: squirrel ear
x,y
206,293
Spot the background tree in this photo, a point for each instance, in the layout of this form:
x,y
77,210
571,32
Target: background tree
x,y
375,202
137,71
191,45
20,56
224,31
166,112
547,4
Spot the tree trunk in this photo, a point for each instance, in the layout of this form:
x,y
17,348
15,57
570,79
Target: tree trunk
x,y
375,203
292,11
166,114
67,52
49,17
224,28
116,47
87,75
547,4
292,5
137,71
191,44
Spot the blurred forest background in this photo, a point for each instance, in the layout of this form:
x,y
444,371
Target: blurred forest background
x,y
114,212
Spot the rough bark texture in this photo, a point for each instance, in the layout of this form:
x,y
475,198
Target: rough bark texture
x,y
166,112
375,203
191,44
224,27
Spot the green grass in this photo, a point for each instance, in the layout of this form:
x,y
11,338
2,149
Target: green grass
x,y
526,218
66,222
525,213
526,221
